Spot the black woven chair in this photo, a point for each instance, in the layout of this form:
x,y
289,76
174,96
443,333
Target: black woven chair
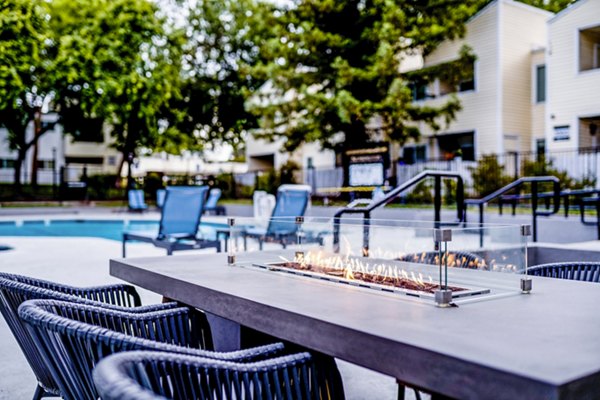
x,y
15,289
72,338
146,375
458,259
577,271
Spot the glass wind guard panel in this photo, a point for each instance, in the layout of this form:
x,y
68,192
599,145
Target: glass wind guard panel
x,y
394,257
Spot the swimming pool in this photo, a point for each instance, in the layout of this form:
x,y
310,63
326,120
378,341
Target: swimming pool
x,y
107,229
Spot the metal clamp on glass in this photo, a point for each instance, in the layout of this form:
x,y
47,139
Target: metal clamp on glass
x,y
526,283
443,295
231,242
299,231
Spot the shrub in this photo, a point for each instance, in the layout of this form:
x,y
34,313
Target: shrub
x,y
544,167
102,187
152,182
449,191
488,176
421,194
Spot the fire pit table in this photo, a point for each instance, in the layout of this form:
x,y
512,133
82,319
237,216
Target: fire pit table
x,y
499,344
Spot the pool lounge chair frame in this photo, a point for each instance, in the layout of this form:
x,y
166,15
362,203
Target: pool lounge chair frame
x,y
211,203
282,227
136,201
185,236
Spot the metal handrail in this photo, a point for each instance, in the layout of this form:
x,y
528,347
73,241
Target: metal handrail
x,y
534,180
393,194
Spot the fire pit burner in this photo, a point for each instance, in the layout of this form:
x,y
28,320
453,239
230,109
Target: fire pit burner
x,y
370,278
370,273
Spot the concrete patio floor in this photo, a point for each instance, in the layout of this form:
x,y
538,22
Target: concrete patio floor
x,y
84,262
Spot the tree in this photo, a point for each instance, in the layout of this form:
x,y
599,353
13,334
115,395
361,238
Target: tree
x,y
333,67
117,67
221,37
24,87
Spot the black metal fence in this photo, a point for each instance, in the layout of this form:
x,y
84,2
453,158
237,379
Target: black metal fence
x,y
580,167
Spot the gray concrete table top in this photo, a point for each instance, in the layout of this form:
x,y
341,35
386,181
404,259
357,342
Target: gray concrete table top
x,y
542,345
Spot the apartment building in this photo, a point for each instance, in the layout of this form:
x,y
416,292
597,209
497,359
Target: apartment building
x,y
93,152
264,155
503,103
49,157
573,66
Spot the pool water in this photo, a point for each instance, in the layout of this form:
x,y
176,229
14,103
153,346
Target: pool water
x,y
107,229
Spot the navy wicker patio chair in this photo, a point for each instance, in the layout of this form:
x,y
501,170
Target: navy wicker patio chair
x,y
179,222
15,289
145,375
136,200
458,259
211,203
72,338
282,227
577,271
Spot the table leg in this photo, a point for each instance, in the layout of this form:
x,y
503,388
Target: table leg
x,y
226,334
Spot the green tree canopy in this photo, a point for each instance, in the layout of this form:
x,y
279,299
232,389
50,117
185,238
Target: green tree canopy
x,y
219,39
23,73
333,66
117,67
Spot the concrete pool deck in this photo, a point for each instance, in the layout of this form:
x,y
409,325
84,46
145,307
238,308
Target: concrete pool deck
x,y
84,262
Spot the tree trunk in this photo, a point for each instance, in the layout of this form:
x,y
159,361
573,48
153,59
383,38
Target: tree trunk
x,y
18,167
118,178
37,131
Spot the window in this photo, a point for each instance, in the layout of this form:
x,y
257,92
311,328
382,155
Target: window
x,y
45,164
419,91
540,84
459,144
468,83
589,49
540,149
112,161
7,163
561,133
414,154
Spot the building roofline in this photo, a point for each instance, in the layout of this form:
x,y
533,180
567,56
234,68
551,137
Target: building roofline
x,y
528,7
485,9
567,10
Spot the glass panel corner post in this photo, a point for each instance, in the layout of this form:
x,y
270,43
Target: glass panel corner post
x,y
526,283
443,295
231,242
299,254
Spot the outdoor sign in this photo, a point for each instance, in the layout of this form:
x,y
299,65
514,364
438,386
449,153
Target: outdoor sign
x,y
367,166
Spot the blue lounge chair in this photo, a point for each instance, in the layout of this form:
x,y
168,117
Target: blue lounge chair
x,y
145,375
72,338
136,200
211,203
16,289
282,227
160,198
180,218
